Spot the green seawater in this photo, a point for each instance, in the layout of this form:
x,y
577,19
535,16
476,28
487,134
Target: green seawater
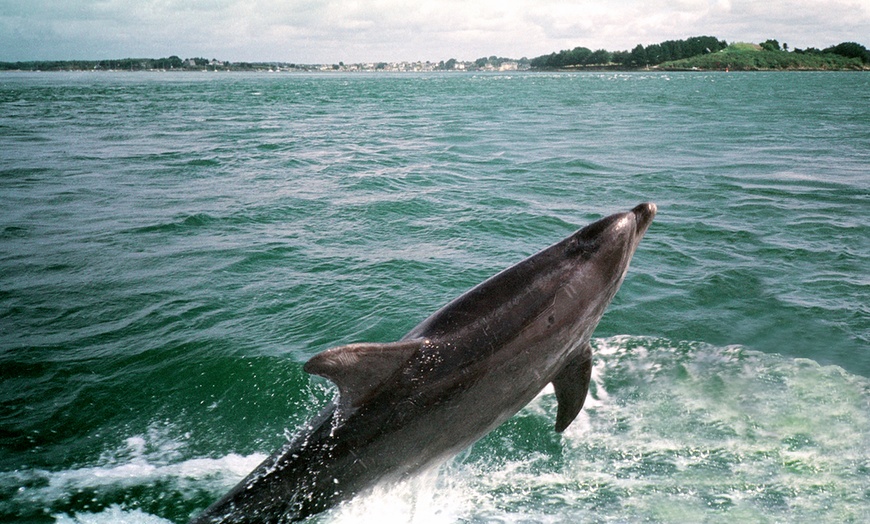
x,y
173,247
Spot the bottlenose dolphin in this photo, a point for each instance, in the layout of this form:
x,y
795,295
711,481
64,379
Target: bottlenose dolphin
x,y
412,404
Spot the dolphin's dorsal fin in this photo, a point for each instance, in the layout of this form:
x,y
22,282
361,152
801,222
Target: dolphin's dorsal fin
x,y
358,369
571,384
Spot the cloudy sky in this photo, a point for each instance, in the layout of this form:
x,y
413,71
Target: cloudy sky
x,y
329,31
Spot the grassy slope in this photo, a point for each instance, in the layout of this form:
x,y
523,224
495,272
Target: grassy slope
x,y
748,57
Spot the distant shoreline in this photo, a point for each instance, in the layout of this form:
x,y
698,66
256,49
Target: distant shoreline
x,y
366,72
703,53
176,64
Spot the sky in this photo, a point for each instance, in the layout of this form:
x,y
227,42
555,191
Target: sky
x,y
358,31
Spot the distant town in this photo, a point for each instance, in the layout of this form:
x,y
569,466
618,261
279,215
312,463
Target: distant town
x,y
174,63
699,53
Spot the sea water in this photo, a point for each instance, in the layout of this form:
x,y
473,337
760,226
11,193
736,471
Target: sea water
x,y
173,247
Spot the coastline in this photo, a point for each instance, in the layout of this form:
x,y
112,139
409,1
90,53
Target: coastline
x,y
474,71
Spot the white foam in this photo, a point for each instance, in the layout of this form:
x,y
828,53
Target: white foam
x,y
143,460
111,515
430,498
670,431
230,469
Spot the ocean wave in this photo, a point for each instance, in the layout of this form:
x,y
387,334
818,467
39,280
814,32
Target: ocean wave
x,y
688,429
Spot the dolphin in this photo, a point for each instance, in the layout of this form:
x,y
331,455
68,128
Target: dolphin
x,y
409,405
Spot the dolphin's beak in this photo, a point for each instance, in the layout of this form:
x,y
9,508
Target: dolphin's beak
x,y
644,215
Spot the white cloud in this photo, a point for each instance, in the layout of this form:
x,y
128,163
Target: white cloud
x,y
369,30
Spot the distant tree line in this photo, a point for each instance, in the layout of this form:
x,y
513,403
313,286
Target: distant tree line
x,y
172,63
847,49
122,64
638,57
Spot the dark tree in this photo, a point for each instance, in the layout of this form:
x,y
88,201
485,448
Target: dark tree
x,y
599,57
770,45
638,57
621,57
654,54
850,50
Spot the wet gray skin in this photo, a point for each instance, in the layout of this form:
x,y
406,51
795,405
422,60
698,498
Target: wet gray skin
x,y
410,405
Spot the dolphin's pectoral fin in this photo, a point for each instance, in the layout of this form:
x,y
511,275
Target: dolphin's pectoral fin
x,y
571,384
358,369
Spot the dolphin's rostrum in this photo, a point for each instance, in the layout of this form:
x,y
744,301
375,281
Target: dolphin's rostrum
x,y
408,405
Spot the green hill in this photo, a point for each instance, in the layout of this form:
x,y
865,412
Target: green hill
x,y
751,57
